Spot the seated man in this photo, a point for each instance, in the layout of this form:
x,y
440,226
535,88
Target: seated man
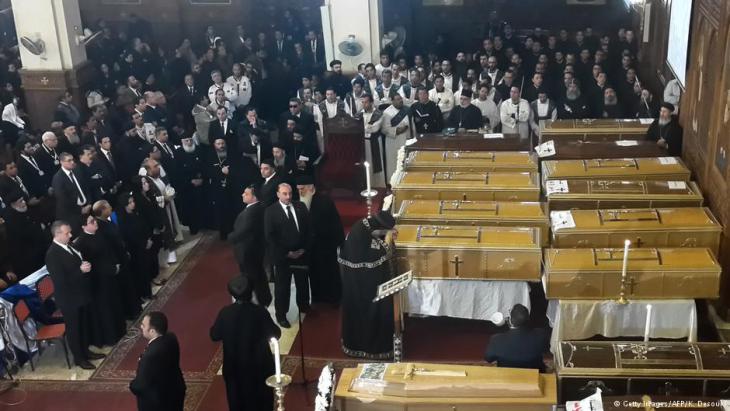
x,y
521,346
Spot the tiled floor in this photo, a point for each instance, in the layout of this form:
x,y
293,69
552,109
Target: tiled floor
x,y
51,365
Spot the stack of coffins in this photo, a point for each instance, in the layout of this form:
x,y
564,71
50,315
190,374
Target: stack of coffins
x,y
471,214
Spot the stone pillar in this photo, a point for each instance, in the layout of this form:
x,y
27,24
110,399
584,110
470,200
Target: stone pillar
x,y
63,65
361,18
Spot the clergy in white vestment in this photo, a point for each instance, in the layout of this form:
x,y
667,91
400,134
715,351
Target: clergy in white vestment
x,y
329,108
397,128
409,90
515,115
372,119
238,87
490,111
442,96
541,109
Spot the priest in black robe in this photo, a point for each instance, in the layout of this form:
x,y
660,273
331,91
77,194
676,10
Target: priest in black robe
x,y
666,130
245,329
366,262
465,116
427,116
324,273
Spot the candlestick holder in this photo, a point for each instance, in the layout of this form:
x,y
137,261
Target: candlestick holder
x,y
622,293
279,389
369,195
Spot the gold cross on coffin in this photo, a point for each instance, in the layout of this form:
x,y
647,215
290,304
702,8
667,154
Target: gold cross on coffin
x,y
631,283
456,262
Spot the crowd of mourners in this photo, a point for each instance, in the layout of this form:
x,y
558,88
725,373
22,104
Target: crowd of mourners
x,y
165,139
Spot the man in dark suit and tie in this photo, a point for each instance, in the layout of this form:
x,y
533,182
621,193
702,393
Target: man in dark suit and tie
x,y
72,283
159,384
521,346
248,231
72,197
224,128
186,98
271,182
288,236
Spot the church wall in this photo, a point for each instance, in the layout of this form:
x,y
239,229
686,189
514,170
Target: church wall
x,y
704,108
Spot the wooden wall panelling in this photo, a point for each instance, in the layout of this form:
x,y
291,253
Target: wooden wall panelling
x,y
705,115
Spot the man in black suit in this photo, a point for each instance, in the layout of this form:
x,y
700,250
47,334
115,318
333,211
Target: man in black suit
x,y
10,181
30,171
281,49
271,182
521,346
159,383
224,128
72,283
288,238
248,247
187,97
245,330
154,114
167,155
73,197
105,161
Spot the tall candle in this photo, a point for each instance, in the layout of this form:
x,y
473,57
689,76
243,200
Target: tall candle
x,y
647,326
367,176
277,360
627,243
692,325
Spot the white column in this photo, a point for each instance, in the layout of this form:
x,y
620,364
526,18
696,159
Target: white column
x,y
361,18
56,23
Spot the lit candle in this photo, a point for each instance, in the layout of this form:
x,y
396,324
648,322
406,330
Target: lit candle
x,y
627,243
692,324
367,175
277,360
647,326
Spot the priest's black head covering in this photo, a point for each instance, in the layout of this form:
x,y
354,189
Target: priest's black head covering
x,y
382,220
668,106
305,180
13,196
269,162
466,93
335,62
279,146
238,287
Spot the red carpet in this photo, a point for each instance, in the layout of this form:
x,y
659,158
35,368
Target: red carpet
x,y
198,292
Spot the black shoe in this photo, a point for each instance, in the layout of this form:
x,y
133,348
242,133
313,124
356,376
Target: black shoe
x,y
95,356
283,323
86,365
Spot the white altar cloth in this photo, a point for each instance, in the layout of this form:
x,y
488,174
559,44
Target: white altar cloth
x,y
470,299
582,319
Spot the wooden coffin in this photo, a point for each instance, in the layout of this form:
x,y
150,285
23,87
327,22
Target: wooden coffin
x,y
476,213
469,253
493,186
582,150
468,142
434,387
665,273
599,194
645,227
626,169
470,161
668,369
594,129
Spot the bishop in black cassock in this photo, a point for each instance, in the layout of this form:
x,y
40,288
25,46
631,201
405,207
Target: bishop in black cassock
x,y
366,260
